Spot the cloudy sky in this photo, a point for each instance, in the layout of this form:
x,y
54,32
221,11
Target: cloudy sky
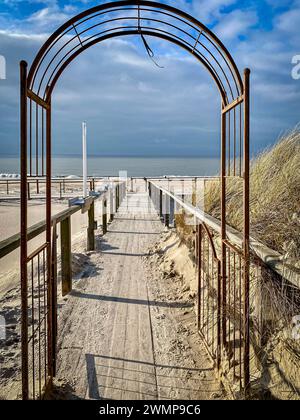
x,y
133,107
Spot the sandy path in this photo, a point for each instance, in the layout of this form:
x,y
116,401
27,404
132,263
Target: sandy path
x,y
121,333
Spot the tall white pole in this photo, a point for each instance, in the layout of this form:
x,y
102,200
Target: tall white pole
x,y
84,160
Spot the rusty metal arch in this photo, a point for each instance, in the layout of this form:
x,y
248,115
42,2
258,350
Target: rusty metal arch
x,y
168,22
101,23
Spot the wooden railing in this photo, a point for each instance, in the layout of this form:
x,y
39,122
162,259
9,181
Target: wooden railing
x,y
268,256
274,290
114,195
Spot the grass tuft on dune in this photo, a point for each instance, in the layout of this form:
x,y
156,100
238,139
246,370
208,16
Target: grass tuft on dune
x,y
274,197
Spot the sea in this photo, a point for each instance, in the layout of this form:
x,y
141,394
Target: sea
x,y
111,166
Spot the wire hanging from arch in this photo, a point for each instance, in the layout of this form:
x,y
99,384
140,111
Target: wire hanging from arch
x,y
146,45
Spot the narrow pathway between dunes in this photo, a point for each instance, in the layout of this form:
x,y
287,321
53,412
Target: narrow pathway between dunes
x,y
121,338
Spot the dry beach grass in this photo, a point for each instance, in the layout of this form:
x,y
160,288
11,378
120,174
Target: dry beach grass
x,y
274,197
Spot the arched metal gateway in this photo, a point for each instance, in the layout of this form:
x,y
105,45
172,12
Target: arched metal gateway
x,y
118,19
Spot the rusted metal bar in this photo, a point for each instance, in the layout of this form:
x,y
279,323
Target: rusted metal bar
x,y
54,297
36,252
37,99
91,228
28,191
23,258
233,104
66,256
246,230
199,252
223,224
50,351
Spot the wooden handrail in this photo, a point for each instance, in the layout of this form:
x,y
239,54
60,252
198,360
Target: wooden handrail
x,y
268,256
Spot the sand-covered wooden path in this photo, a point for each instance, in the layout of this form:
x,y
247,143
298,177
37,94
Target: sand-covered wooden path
x,y
121,331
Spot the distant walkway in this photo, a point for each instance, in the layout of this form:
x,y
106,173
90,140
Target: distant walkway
x,y
106,335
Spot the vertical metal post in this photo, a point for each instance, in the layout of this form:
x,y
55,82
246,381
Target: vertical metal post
x,y
23,259
66,256
84,160
51,353
223,224
199,268
246,228
28,190
54,297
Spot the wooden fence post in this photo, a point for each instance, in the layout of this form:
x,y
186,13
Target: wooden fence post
x,y
160,203
167,210
66,256
111,204
117,197
104,216
91,228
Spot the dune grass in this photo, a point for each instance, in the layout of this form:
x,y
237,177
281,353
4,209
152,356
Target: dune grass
x,y
274,197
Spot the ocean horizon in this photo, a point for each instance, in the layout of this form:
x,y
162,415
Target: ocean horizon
x,y
66,165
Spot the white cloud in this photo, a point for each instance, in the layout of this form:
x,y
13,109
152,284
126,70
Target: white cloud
x,y
235,24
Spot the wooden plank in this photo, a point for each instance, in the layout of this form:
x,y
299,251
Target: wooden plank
x,y
66,256
87,204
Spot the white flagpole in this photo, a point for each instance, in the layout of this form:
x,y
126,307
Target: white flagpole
x,y
84,160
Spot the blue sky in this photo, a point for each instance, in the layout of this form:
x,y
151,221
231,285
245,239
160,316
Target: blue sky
x,y
134,108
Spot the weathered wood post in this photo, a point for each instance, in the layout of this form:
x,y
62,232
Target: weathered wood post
x,y
7,187
66,256
37,187
160,204
167,210
104,216
172,210
91,228
111,204
60,191
194,193
117,197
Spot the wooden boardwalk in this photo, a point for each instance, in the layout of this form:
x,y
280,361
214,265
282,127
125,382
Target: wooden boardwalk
x,y
117,339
